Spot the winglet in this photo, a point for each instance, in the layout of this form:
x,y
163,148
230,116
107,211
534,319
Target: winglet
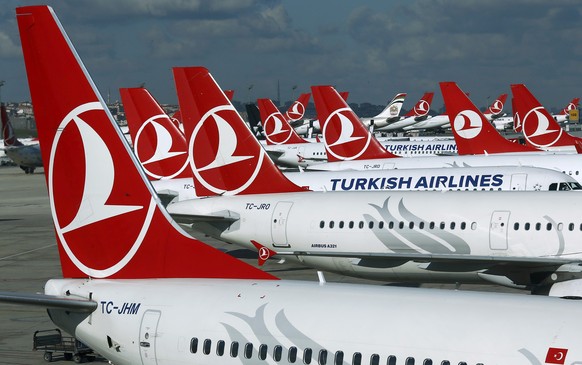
x,y
265,253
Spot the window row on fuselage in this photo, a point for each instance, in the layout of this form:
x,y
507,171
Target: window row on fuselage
x,y
294,355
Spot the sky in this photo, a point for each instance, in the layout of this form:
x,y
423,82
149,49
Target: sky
x,y
371,48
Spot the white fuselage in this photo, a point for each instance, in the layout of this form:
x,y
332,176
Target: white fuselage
x,y
452,178
429,123
570,164
483,223
197,321
27,155
399,124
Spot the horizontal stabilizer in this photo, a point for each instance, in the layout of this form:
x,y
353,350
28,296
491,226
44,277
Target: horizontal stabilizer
x,y
49,301
194,218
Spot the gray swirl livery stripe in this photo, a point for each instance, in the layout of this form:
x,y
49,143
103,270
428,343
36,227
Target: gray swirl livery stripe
x,y
530,357
417,237
258,325
561,242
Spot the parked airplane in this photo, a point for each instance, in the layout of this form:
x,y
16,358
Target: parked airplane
x,y
418,113
570,164
564,114
164,298
380,234
496,108
390,114
26,156
537,125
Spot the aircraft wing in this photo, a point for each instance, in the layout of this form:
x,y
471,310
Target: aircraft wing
x,y
49,301
274,155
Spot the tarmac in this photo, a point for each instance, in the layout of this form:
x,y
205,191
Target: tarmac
x,y
29,257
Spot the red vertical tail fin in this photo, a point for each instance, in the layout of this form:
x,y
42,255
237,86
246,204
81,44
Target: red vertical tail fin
x,y
297,110
277,129
422,106
472,131
497,106
158,144
345,95
224,155
346,138
537,124
107,221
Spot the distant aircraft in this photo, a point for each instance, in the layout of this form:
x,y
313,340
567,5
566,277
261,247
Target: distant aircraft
x,y
418,113
26,156
496,108
564,114
538,126
391,113
137,290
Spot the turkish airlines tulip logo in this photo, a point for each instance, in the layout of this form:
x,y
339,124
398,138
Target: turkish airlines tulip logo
x,y
536,129
341,137
158,149
421,108
89,195
468,124
296,111
276,130
219,162
496,107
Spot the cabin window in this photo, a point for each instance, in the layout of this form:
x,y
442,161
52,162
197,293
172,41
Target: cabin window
x,y
462,363
445,362
321,224
442,225
331,224
427,362
322,358
526,226
409,361
206,346
277,352
292,354
194,345
571,226
375,359
549,227
357,358
390,225
581,226
452,225
234,349
431,225
351,225
338,358
538,226
463,225
307,353
421,225
400,225
361,224
391,360
263,352
381,225
341,224
411,225
473,226
371,225
220,348
516,226
249,350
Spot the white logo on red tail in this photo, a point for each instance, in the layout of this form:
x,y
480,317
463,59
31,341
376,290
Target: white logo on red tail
x,y
421,108
275,130
496,107
468,124
536,129
215,133
296,111
164,143
93,205
344,124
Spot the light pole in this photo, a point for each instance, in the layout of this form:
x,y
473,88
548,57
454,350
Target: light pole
x,y
293,93
249,91
2,82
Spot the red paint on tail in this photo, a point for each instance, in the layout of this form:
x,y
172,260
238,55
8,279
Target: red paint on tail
x,y
277,129
297,110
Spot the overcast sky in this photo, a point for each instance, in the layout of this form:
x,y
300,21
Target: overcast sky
x,y
373,49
